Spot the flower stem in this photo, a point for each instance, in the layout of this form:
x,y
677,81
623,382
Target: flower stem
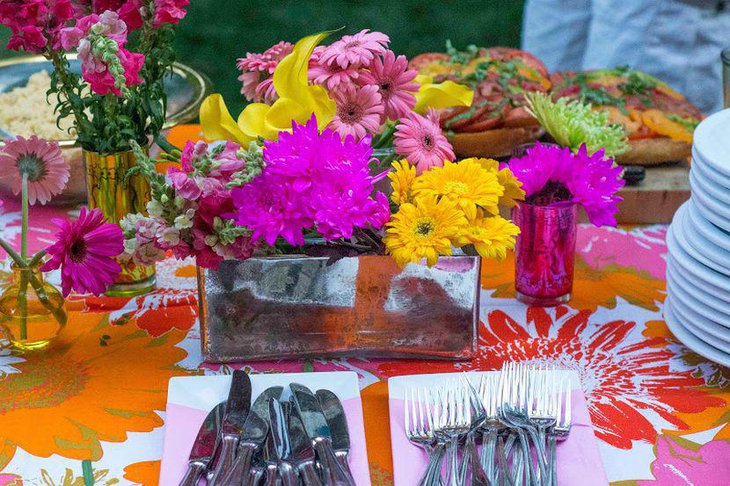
x,y
23,303
36,258
12,253
24,221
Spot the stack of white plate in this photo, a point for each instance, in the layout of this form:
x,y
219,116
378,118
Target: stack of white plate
x,y
697,309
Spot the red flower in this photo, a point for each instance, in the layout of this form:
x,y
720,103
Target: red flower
x,y
159,311
626,377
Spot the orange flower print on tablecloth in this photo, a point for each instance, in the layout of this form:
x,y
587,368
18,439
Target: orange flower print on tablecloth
x,y
628,381
159,311
96,383
592,287
145,473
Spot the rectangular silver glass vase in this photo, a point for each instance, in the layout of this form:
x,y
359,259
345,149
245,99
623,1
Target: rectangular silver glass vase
x,y
297,307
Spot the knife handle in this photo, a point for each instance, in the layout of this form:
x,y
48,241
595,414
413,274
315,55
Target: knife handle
x,y
342,459
332,471
193,474
309,474
238,472
227,454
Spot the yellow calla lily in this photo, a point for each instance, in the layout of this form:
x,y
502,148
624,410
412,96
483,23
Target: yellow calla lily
x,y
441,95
297,102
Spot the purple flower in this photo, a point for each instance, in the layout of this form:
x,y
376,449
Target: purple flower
x,y
552,175
311,181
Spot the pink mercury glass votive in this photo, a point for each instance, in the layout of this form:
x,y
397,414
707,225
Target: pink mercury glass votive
x,y
545,252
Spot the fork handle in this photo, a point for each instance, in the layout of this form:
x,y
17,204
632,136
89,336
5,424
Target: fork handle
x,y
541,461
432,476
489,444
553,459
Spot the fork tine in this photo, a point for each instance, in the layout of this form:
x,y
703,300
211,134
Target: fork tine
x,y
407,417
567,402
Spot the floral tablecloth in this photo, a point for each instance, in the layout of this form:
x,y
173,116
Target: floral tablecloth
x,y
660,411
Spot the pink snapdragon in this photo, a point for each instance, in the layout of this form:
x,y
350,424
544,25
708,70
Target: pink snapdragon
x,y
105,64
35,24
169,11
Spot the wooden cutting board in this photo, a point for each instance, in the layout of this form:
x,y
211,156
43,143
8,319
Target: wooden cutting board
x,y
657,197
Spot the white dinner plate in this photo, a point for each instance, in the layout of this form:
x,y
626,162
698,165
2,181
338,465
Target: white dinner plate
x,y
698,247
708,304
714,212
690,340
713,280
712,142
708,330
718,241
708,170
703,173
706,185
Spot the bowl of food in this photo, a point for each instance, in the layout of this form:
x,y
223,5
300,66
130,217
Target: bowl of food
x,y
25,111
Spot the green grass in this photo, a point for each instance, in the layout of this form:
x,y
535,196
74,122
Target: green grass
x,y
217,32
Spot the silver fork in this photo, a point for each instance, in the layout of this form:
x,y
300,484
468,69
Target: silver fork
x,y
454,423
561,429
489,394
542,403
419,425
471,463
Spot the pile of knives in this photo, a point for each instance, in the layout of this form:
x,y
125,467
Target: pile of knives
x,y
272,441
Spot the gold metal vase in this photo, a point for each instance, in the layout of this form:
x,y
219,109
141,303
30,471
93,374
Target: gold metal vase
x,y
117,195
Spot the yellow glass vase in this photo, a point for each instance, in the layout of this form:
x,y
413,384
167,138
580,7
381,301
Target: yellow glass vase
x,y
117,195
32,311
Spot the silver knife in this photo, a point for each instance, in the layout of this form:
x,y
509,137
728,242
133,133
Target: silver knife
x,y
255,430
237,407
282,444
337,421
203,446
303,454
315,425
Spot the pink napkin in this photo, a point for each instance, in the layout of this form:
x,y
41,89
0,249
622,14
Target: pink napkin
x,y
182,424
579,462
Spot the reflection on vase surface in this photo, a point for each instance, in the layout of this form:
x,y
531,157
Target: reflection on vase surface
x,y
545,252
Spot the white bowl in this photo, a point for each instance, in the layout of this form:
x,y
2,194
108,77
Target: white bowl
x,y
690,340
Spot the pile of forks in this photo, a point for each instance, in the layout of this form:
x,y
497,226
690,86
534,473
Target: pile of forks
x,y
500,430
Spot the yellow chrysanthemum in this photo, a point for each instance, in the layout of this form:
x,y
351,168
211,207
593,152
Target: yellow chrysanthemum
x,y
425,229
466,183
512,187
401,179
491,237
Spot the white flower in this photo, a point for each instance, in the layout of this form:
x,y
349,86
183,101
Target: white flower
x,y
155,209
168,235
130,246
148,254
185,220
129,223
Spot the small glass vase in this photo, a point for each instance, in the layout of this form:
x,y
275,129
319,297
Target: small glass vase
x,y
117,195
545,252
32,311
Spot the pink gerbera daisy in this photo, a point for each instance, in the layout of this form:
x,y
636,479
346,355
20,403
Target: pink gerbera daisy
x,y
356,50
330,75
419,139
359,111
257,72
395,83
43,163
85,252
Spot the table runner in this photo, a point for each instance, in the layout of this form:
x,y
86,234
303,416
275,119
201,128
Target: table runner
x,y
660,411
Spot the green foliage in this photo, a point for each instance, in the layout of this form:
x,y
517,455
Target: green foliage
x,y
572,123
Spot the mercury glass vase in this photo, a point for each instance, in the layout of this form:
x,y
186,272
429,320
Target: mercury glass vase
x,y
545,252
32,311
117,195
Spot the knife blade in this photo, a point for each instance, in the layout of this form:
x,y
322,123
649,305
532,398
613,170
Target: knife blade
x,y
237,407
255,430
282,444
318,431
204,445
302,452
337,421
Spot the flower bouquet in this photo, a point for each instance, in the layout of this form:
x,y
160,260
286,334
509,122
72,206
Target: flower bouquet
x,y
556,182
124,48
290,215
31,309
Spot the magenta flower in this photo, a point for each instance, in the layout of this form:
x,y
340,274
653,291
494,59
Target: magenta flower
x,y
419,139
311,181
35,24
257,72
395,83
551,175
681,462
41,160
356,50
169,11
85,252
359,111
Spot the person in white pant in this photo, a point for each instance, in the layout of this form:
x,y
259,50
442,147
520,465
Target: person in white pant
x,y
678,41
